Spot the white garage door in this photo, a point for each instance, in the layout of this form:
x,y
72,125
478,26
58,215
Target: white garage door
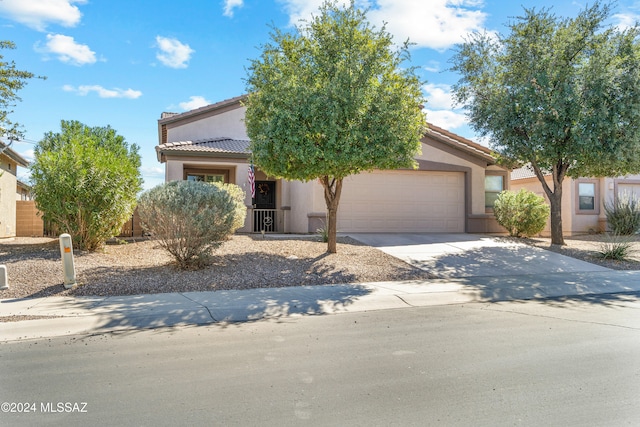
x,y
403,201
632,189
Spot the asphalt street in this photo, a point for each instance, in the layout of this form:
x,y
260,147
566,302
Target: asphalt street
x,y
559,361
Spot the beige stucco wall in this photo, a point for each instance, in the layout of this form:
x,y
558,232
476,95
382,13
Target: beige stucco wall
x,y
573,222
229,124
8,183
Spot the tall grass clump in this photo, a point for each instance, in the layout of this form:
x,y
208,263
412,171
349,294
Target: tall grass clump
x,y
623,215
616,247
191,219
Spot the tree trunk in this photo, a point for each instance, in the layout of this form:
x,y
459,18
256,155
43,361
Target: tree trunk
x,y
555,201
332,243
555,197
332,190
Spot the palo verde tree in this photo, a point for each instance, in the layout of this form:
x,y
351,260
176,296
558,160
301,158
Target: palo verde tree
x,y
85,181
559,94
11,81
329,100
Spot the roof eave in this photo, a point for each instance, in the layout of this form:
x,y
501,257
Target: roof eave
x,y
163,154
7,151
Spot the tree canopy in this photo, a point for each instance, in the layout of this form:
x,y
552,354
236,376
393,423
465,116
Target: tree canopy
x,y
11,81
559,94
85,181
332,99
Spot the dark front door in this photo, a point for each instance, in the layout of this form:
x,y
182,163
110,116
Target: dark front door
x,y
264,215
265,195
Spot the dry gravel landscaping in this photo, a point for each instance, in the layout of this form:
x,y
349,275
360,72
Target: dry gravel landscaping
x,y
34,268
245,262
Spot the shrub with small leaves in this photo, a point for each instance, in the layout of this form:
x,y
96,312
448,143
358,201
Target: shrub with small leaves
x,y
191,219
616,247
522,214
623,214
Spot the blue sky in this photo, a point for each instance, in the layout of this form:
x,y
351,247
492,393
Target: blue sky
x,y
123,62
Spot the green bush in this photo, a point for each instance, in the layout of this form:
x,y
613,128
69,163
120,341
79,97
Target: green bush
x,y
522,214
616,247
191,219
623,215
85,181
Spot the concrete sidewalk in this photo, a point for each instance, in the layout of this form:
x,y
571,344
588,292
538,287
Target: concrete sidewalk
x,y
91,315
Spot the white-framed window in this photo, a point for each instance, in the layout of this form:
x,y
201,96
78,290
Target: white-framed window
x,y
587,197
493,185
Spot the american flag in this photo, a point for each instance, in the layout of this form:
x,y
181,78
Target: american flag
x,y
252,181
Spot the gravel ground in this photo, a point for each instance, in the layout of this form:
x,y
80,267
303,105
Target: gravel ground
x,y
587,248
34,268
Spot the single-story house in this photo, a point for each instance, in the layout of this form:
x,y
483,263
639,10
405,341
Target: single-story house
x,y
583,199
9,162
445,194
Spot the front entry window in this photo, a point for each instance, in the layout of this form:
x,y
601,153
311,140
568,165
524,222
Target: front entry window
x,y
205,177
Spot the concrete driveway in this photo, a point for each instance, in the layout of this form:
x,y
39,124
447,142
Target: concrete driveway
x,y
472,255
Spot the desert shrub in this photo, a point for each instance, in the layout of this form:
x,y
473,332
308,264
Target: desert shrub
x,y
623,215
522,214
191,219
616,247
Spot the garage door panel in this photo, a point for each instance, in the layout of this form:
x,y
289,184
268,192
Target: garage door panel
x,y
411,201
629,189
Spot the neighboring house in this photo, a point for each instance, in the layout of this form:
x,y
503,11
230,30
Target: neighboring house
x,y
9,162
583,199
445,194
23,191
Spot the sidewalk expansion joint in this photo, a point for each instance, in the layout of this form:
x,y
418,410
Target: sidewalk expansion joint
x,y
201,305
404,301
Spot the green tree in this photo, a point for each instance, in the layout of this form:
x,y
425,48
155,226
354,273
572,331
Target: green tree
x,y
330,100
562,95
11,81
85,181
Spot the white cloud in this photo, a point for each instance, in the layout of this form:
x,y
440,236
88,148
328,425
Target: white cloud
x,y
194,102
432,67
436,24
440,107
102,92
439,96
625,20
173,53
37,14
152,171
446,119
230,5
67,50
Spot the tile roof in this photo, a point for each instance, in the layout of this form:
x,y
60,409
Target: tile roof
x,y
223,146
524,172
